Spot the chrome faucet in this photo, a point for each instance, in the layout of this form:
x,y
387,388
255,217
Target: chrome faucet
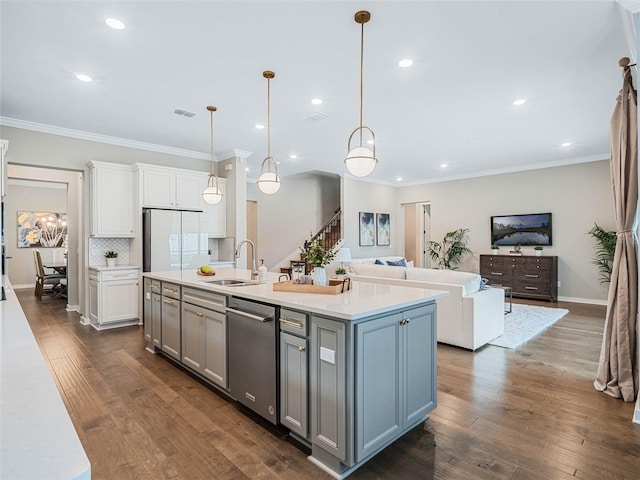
x,y
254,269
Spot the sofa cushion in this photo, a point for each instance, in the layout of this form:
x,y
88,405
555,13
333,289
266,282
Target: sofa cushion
x,y
371,270
469,281
400,263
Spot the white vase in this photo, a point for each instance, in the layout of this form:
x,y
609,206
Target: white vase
x,y
495,251
111,262
319,276
538,253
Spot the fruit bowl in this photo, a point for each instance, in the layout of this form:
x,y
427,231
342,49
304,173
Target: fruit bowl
x,y
205,274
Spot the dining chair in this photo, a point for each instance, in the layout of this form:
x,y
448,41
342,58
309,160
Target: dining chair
x,y
46,284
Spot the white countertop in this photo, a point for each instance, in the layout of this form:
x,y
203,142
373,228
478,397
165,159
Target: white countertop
x,y
102,268
363,300
37,438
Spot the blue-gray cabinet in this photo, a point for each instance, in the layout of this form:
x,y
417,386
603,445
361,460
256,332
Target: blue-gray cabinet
x,y
371,380
395,377
293,384
170,318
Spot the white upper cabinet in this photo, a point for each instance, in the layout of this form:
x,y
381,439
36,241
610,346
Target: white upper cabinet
x,y
111,197
217,214
172,188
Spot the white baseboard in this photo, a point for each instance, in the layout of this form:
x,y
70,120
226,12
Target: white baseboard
x,y
590,301
84,320
23,286
73,308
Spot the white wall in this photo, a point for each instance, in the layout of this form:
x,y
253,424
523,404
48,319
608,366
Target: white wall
x,y
576,195
29,197
359,196
303,205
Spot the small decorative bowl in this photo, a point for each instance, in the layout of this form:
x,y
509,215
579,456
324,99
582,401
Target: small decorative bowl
x,y
205,274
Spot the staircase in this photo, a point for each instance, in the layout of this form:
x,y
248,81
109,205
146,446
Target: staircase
x,y
329,236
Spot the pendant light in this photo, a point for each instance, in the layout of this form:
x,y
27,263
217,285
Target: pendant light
x,y
268,181
212,193
361,160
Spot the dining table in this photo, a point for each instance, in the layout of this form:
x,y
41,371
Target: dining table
x,y
61,268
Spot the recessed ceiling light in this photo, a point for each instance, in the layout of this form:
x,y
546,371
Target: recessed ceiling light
x,y
519,101
293,155
566,144
317,101
84,78
115,23
444,165
407,62
259,126
398,179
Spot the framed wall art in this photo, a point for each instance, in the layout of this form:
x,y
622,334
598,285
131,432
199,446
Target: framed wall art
x,y
383,229
367,229
42,229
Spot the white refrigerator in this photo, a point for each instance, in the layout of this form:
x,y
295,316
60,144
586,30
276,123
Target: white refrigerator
x,y
174,240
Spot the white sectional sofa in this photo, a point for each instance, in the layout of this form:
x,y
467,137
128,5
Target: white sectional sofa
x,y
468,317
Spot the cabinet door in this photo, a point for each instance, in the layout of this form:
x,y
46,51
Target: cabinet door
x,y
158,188
93,300
112,201
215,347
418,364
218,213
378,384
328,386
147,311
189,190
192,336
293,383
156,318
119,301
171,327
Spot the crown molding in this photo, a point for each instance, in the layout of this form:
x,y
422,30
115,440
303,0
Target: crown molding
x,y
632,5
236,153
96,137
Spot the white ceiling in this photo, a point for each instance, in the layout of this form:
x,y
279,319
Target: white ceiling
x,y
454,106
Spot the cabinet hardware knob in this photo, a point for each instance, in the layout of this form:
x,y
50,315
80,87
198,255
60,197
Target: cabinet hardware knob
x,y
301,348
407,320
200,314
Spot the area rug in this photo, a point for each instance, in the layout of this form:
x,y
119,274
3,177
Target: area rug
x,y
525,322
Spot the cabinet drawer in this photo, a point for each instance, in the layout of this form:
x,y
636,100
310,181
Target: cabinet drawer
x,y
204,299
106,276
530,288
171,290
155,286
293,322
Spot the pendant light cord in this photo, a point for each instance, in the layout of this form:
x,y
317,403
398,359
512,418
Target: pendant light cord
x,y
269,121
211,142
361,73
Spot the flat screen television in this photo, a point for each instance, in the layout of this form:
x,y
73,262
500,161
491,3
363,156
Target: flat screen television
x,y
527,230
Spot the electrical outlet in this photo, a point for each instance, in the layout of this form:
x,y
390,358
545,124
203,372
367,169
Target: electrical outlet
x,y
559,284
228,167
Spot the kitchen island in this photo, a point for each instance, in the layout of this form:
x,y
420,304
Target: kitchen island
x,y
37,437
356,370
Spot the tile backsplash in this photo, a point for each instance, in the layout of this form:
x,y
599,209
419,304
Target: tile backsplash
x,y
97,247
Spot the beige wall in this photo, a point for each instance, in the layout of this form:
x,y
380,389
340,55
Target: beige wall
x,y
29,197
576,195
303,204
359,196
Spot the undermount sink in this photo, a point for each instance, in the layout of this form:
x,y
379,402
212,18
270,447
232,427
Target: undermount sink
x,y
229,282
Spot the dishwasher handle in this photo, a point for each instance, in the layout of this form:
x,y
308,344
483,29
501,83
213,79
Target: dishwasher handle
x,y
259,318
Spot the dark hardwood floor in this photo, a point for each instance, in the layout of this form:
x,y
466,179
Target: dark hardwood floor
x,y
528,413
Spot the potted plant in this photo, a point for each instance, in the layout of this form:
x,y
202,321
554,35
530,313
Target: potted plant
x,y
538,249
448,253
315,253
605,250
495,249
341,273
111,257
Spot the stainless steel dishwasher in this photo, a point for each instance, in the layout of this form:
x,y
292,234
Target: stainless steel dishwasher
x,y
253,356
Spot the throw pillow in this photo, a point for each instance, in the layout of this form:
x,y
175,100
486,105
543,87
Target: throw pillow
x,y
399,263
379,262
483,283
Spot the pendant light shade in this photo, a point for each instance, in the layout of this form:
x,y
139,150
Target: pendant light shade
x,y
212,194
361,160
268,181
